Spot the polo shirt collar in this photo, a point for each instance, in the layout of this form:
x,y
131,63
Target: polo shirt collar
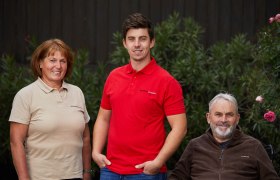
x,y
148,69
48,89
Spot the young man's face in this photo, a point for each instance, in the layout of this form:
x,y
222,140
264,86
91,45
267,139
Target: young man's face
x,y
223,119
138,44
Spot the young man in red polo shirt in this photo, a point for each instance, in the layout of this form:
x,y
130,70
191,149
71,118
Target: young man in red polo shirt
x,y
136,99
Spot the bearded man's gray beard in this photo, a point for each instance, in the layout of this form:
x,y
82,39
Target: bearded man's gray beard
x,y
223,134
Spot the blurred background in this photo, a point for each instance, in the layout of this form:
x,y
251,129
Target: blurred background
x,y
89,24
226,45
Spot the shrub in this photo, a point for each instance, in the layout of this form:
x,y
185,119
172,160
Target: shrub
x,y
12,77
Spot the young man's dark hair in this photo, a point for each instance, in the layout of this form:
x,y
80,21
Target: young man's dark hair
x,y
136,21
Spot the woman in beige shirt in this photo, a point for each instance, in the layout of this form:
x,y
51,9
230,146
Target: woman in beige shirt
x,y
49,130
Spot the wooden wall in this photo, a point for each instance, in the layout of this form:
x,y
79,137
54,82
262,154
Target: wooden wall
x,y
89,24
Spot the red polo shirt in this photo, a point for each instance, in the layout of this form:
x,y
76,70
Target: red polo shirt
x,y
139,102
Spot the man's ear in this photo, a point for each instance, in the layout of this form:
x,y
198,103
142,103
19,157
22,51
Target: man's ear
x,y
238,117
208,117
124,43
153,41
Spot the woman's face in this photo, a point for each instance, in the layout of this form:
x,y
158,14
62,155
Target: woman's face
x,y
54,68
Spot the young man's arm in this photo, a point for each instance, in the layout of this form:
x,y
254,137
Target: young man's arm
x,y
178,125
100,133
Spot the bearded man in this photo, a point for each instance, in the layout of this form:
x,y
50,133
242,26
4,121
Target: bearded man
x,y
224,152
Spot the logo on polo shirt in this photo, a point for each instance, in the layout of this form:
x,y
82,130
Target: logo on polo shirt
x,y
149,92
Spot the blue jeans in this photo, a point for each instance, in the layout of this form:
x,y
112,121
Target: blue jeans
x,y
106,174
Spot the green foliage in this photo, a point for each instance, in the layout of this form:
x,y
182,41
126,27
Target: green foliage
x,y
239,67
177,40
12,78
119,56
267,56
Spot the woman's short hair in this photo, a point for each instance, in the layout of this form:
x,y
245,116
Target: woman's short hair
x,y
48,48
